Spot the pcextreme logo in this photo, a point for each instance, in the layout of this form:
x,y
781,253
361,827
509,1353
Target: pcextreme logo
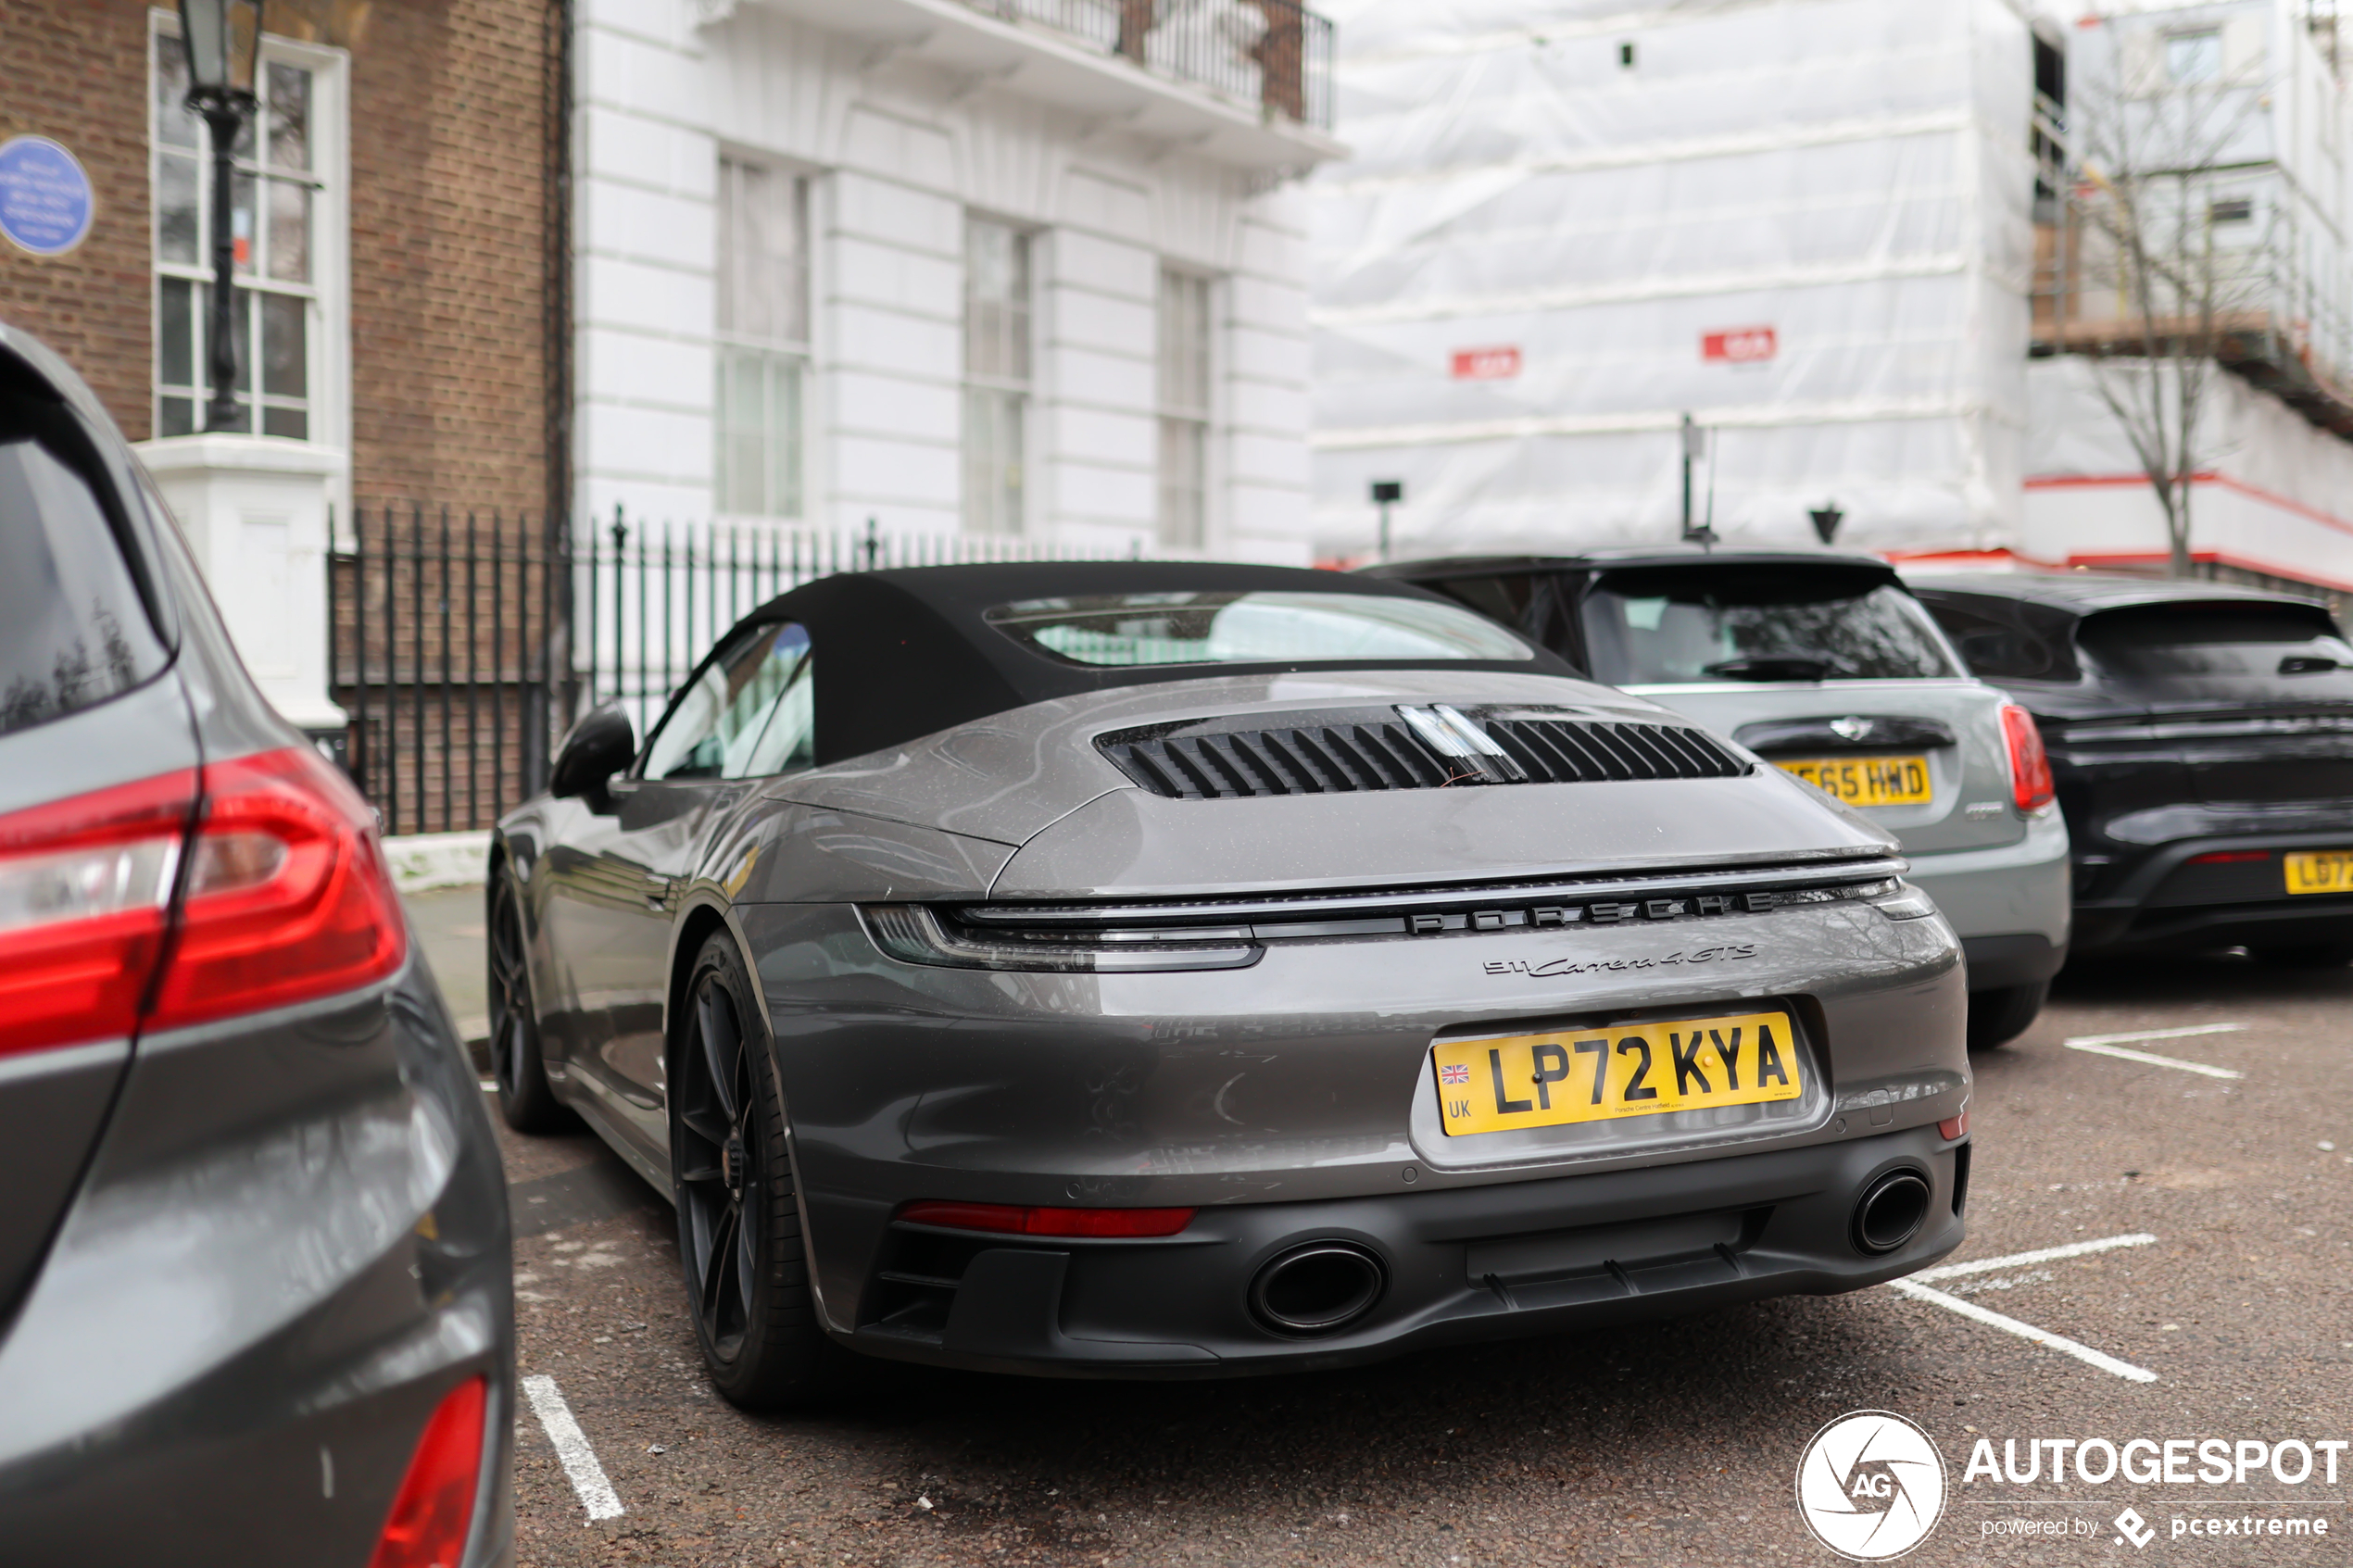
x,y
1870,1486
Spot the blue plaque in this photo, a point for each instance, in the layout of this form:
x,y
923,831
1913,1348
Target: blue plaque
x,y
46,204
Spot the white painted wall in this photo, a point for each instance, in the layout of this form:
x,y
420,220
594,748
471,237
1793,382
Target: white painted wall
x,y
902,133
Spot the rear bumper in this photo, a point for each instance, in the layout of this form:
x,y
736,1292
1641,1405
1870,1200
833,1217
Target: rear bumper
x,y
1472,1263
1997,963
2160,902
2010,905
291,1244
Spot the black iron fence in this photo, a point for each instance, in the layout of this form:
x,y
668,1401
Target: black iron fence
x,y
445,649
461,644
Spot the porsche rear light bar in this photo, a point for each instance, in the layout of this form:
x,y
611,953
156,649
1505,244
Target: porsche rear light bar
x,y
434,1507
2031,784
1014,1220
115,917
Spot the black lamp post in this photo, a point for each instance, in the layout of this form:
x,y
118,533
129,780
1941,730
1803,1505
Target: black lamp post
x,y
223,40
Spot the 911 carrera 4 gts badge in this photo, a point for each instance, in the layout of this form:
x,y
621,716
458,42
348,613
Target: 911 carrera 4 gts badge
x,y
1726,953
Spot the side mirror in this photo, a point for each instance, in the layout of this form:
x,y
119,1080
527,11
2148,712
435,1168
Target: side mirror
x,y
601,744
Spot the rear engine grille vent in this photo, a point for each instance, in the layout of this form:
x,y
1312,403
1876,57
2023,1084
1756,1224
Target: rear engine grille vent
x,y
1332,753
1570,751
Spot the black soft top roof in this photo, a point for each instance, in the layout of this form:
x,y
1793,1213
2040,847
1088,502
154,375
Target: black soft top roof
x,y
907,652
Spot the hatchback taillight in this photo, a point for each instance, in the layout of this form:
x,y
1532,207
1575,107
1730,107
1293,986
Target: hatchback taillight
x,y
2031,784
286,896
288,893
85,894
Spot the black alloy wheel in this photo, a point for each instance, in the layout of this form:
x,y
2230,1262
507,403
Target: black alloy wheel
x,y
739,1236
526,1098
1998,1016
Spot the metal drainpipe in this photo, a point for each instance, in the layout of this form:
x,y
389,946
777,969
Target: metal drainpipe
x,y
558,345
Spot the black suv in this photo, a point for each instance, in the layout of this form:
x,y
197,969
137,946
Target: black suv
x,y
2202,740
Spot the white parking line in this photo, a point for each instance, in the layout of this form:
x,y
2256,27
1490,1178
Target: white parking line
x,y
572,1448
2026,1331
2150,1059
2155,1034
1919,1291
2042,1255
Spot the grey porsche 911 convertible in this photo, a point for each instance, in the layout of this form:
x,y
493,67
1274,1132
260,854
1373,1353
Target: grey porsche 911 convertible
x,y
1163,970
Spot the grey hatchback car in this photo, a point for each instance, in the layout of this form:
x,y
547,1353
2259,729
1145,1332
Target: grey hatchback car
x,y
255,1280
1826,665
1148,969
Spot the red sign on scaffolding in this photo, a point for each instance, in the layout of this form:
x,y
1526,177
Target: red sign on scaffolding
x,y
1740,346
1486,364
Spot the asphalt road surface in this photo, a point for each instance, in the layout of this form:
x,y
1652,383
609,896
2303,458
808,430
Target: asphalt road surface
x,y
2216,1310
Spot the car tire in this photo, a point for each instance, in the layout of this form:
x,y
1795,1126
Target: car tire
x,y
745,1257
526,1098
1998,1016
2307,955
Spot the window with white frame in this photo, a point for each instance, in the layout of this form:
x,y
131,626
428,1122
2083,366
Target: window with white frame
x,y
764,338
997,375
278,201
2192,58
1184,409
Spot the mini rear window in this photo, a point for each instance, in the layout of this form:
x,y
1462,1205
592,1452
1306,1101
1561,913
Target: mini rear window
x,y
1749,624
2193,637
73,632
1132,630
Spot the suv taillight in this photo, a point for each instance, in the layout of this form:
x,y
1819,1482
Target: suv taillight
x,y
285,897
2031,784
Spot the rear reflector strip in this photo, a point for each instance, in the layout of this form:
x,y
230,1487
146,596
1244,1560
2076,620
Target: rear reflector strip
x,y
2228,856
1012,1220
435,1508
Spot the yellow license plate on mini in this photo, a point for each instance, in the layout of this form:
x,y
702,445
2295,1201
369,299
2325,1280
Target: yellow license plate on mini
x,y
1868,781
2320,871
1616,1071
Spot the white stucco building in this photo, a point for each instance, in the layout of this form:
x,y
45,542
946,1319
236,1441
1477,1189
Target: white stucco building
x,y
1026,267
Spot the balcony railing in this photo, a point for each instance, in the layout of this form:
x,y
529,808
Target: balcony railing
x,y
1273,56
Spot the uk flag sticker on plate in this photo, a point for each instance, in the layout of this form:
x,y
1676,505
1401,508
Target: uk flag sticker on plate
x,y
1455,1072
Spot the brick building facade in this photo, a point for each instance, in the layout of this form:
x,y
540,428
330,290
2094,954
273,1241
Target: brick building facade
x,y
428,352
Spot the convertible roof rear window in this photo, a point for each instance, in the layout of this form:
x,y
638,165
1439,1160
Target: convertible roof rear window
x,y
1126,630
915,650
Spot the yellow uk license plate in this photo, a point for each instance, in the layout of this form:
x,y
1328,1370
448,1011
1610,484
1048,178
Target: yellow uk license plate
x,y
1868,781
1619,1070
2321,870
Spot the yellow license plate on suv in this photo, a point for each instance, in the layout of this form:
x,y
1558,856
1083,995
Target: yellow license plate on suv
x,y
1616,1071
2321,870
1868,781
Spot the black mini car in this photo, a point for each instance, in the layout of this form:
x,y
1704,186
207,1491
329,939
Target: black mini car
x,y
2202,740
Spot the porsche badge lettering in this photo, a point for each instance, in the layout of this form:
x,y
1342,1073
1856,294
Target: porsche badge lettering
x,y
1553,967
1606,912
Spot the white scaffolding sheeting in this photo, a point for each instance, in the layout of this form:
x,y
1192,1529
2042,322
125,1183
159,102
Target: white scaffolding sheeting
x,y
1603,190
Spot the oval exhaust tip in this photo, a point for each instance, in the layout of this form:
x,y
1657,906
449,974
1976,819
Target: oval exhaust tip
x,y
1319,1288
1891,1211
